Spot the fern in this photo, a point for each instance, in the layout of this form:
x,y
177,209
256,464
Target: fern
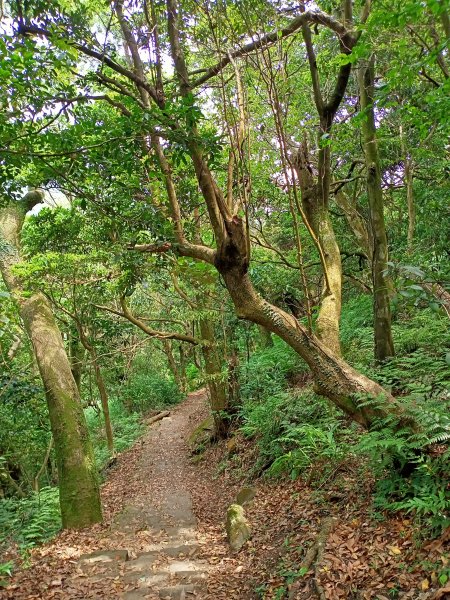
x,y
410,477
31,520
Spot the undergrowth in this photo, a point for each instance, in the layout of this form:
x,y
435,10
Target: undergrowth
x,y
300,434
292,429
147,390
28,522
127,428
32,520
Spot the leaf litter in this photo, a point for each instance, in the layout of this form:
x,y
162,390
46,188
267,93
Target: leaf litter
x,y
361,558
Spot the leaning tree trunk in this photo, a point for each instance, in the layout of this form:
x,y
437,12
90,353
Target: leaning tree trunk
x,y
77,473
334,378
384,344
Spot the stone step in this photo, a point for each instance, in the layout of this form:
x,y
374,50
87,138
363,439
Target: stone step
x,y
177,592
141,594
185,577
181,566
143,562
181,534
103,557
148,582
185,550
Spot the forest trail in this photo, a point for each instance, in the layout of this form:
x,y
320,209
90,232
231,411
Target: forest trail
x,y
163,531
163,535
153,542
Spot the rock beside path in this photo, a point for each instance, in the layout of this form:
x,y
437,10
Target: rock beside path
x,y
238,529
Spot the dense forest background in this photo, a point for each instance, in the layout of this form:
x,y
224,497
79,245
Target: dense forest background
x,y
248,196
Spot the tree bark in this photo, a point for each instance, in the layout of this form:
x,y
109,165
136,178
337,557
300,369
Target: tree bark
x,y
77,473
315,206
384,344
217,386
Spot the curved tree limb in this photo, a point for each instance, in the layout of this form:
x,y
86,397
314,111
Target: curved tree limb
x,y
141,83
154,333
318,17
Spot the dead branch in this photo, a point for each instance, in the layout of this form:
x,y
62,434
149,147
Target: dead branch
x,y
158,417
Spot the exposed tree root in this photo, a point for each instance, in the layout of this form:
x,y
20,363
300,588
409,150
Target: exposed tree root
x,y
313,559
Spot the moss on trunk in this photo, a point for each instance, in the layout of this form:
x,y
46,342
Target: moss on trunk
x,y
77,474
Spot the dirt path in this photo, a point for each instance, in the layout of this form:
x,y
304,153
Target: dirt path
x,y
155,536
150,544
163,533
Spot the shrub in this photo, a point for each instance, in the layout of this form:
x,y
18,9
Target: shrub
x,y
150,390
267,370
412,467
126,429
25,428
193,376
293,430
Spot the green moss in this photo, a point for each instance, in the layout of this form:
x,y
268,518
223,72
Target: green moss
x,y
238,530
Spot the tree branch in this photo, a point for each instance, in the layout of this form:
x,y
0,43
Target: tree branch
x,y
142,84
184,249
346,38
154,333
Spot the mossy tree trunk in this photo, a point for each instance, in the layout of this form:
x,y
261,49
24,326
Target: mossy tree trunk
x,y
316,189
315,200
217,386
384,344
77,473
